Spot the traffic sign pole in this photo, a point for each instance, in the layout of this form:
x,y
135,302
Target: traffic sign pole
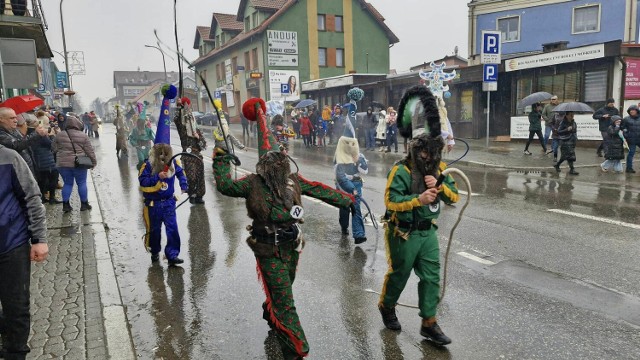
x,y
488,112
490,54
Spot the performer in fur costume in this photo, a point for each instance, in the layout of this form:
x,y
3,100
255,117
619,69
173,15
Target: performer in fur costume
x,y
274,204
413,204
192,141
141,136
157,178
350,164
122,132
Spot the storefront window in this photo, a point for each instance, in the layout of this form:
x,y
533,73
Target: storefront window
x,y
565,86
524,87
466,106
595,87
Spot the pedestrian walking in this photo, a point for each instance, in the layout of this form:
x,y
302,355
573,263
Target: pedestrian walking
x,y
535,128
349,166
23,239
192,141
274,203
122,132
370,125
615,146
548,115
568,136
603,115
95,124
86,121
392,129
45,165
305,130
11,138
245,127
631,131
157,179
68,145
413,201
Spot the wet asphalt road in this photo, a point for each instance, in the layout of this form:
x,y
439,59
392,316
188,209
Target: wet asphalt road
x,y
528,277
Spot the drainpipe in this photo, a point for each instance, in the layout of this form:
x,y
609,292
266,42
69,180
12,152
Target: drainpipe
x,y
623,81
472,30
630,32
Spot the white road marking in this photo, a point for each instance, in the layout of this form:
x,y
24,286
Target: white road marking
x,y
476,258
596,218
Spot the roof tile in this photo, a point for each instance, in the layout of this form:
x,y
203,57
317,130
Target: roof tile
x,y
228,22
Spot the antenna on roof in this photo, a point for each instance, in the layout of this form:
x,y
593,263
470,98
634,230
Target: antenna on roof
x,y
455,50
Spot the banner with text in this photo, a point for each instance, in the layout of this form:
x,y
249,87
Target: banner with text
x,y
282,42
587,127
632,81
555,57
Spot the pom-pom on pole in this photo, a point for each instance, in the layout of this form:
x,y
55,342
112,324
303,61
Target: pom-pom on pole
x,y
251,106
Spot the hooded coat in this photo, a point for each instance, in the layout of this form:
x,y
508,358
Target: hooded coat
x,y
631,126
62,147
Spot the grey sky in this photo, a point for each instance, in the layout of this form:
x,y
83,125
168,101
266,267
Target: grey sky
x,y
113,33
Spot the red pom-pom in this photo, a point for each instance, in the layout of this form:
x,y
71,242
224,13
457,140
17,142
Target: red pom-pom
x,y
249,108
185,101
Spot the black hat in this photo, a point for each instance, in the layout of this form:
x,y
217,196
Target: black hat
x,y
611,100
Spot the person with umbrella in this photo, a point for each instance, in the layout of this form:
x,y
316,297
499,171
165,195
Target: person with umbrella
x,y
549,117
567,133
604,115
535,128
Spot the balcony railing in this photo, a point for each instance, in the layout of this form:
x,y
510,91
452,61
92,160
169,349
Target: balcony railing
x,y
24,8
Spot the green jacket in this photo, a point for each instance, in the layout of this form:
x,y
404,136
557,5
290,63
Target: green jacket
x,y
534,121
401,202
141,138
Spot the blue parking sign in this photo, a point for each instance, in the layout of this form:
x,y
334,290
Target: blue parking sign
x,y
284,89
490,73
491,47
217,95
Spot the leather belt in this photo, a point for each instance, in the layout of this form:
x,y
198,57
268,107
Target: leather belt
x,y
281,236
421,225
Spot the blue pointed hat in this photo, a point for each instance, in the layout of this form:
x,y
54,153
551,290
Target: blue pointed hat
x,y
163,132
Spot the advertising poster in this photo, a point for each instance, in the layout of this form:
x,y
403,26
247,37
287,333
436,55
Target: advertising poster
x,y
632,81
279,77
587,127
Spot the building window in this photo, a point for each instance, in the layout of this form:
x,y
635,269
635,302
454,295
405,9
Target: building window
x,y
586,19
510,28
340,57
247,24
566,86
254,58
322,56
218,41
322,22
595,86
339,26
247,61
255,20
234,65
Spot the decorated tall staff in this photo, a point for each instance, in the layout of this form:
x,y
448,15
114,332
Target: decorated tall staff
x,y
274,204
437,80
192,141
122,131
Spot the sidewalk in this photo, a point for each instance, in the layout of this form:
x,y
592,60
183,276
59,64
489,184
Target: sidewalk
x,y
75,302
499,154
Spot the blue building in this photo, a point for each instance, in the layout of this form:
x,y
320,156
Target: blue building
x,y
579,50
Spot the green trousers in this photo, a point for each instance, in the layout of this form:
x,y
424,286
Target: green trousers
x,y
421,254
278,273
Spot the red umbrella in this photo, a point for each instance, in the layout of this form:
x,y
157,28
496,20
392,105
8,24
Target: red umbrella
x,y
22,103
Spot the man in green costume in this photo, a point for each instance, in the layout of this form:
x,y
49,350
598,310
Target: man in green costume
x,y
141,137
274,204
412,198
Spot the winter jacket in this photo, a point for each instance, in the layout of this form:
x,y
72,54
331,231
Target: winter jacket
x,y
42,154
548,114
615,149
305,126
14,140
568,135
153,188
534,121
370,121
604,122
65,157
22,215
347,175
631,128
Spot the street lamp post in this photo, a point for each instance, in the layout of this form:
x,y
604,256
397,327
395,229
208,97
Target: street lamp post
x,y
163,62
64,48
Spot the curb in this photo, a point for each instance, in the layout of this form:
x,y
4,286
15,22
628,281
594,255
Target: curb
x,y
118,337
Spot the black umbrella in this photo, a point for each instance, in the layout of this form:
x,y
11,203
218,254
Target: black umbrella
x,y
573,107
534,98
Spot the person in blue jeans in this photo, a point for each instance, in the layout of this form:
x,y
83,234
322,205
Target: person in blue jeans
x,y
631,131
350,165
66,145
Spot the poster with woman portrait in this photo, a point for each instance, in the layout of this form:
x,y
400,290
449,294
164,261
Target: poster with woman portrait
x,y
288,77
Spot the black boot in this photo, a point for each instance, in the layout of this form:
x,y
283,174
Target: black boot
x,y
175,261
557,167
389,318
360,240
66,207
573,172
155,257
435,334
198,200
85,206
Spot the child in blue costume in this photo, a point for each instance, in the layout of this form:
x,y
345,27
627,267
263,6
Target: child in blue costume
x,y
157,180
